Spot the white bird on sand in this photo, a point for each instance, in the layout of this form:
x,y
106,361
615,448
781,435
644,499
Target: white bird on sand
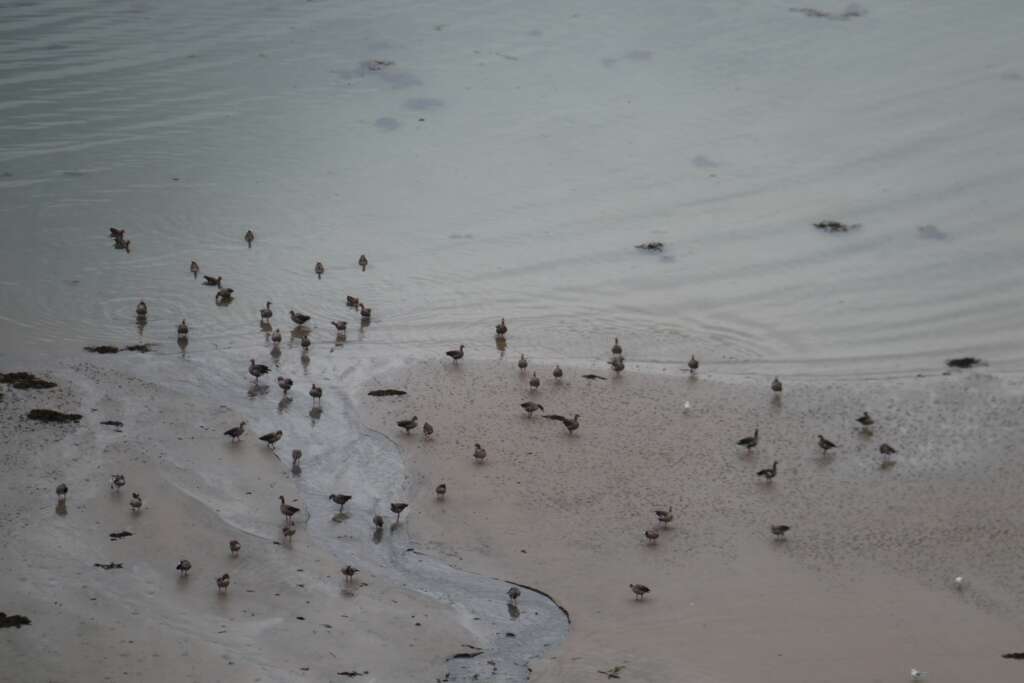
x,y
959,583
918,675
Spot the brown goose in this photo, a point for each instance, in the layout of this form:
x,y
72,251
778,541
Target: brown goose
x,y
501,328
271,438
479,453
296,457
319,270
194,269
522,362
136,502
183,329
618,364
184,567
779,531
349,571
776,386
534,382
257,370
456,354
305,343
287,510
223,582
116,234
339,499
824,444
651,535
530,407
428,430
639,590
557,373
316,393
236,432
212,281
266,314
234,547
363,262
665,516
126,245
573,424
397,508
749,442
378,521
298,318
616,349
285,383
365,312
224,296
116,482
141,311
887,452
340,325
352,301
249,237
276,337
408,425
513,594
441,490
770,472
693,364
866,421
62,492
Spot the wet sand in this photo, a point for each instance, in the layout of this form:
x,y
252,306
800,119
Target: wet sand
x,y
862,589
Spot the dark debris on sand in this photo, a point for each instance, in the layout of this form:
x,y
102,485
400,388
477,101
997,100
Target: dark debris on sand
x,y
112,423
387,392
106,348
651,246
47,415
1014,655
965,362
114,535
835,226
25,380
109,565
352,674
15,620
852,11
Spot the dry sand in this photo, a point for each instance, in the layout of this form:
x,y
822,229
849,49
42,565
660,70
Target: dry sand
x,y
860,591
285,616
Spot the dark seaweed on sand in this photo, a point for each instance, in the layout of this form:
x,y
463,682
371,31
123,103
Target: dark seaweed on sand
x,y
47,415
835,226
15,620
102,349
965,362
387,392
1014,655
25,380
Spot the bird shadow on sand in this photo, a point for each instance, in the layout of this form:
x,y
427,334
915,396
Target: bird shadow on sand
x,y
257,390
283,404
62,508
378,534
341,517
513,611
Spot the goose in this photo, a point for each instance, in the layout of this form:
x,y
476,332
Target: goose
x,y
249,237
117,481
770,472
777,386
349,571
236,432
441,490
234,547
639,590
266,314
288,531
522,362
286,509
340,325
365,312
693,364
397,508
665,516
141,311
616,349
210,281
513,594
62,492
136,502
918,675
887,452
501,328
865,421
272,438
408,425
224,295
479,453
223,582
183,328
573,424
194,269
530,407
319,270
296,457
184,567
275,338
824,444
618,364
339,499
651,535
779,531
316,393
428,430
363,262
352,301
958,583
116,234
378,521
557,373
298,318
749,442
456,354
257,370
285,383
305,343
534,382
123,244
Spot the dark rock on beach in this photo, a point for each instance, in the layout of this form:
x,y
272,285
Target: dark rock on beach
x,y
47,415
965,362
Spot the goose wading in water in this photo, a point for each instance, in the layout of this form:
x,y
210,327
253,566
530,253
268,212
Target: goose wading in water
x,y
639,590
397,508
352,301
249,237
62,492
305,343
340,325
428,430
363,262
378,521
557,373
266,314
287,510
616,348
456,354
777,386
349,572
500,329
223,582
296,457
693,364
234,547
339,499
236,432
184,567
285,383
513,594
136,502
618,364
224,295
210,281
319,270
116,234
183,329
276,337
365,312
271,438
194,269
408,425
141,311
257,370
824,444
534,382
749,442
887,452
441,490
522,362
770,472
298,318
316,393
530,407
479,453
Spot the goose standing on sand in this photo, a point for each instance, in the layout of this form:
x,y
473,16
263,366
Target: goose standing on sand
x,y
62,492
456,354
441,490
339,499
141,311
534,382
287,510
257,370
866,421
286,384
557,373
266,314
428,430
234,547
777,386
378,521
618,364
194,269
500,329
212,281
184,567
522,362
479,453
530,407
249,237
779,531
363,262
573,424
116,482
408,425
271,438
319,270
693,364
665,516
824,444
349,572
513,594
236,432
397,508
770,472
639,590
183,328
136,502
651,535
616,349
749,442
316,393
223,582
298,318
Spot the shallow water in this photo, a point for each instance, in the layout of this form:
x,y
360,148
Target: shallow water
x,y
506,163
